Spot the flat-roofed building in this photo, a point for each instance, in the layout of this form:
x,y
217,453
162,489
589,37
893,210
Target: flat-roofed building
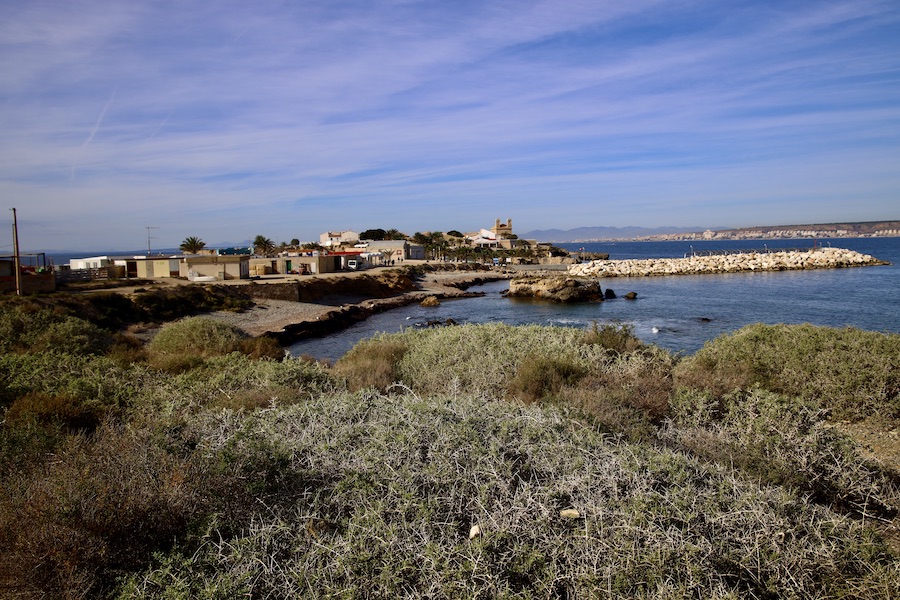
x,y
215,268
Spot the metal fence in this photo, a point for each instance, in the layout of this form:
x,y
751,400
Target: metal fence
x,y
66,275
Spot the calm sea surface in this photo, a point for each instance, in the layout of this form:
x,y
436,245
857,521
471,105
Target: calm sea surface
x,y
680,312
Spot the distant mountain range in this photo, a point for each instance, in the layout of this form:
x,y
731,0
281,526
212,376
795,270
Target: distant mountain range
x,y
602,233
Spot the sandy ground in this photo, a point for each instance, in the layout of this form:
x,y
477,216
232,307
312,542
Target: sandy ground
x,y
272,315
275,315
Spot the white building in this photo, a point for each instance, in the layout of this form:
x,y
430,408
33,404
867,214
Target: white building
x,y
338,238
93,262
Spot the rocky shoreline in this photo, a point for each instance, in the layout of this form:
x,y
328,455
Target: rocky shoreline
x,y
818,258
289,321
307,315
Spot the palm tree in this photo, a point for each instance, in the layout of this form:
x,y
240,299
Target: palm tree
x,y
192,245
263,245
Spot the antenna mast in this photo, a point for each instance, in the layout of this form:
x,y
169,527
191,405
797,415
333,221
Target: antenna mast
x,y
148,228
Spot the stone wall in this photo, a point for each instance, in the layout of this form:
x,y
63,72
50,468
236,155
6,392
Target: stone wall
x,y
353,288
820,258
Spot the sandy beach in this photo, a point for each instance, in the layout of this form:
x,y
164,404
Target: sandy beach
x,y
274,316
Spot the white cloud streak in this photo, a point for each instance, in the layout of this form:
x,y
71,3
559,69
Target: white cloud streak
x,y
94,130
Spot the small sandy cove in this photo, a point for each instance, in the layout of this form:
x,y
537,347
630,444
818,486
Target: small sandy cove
x,y
274,315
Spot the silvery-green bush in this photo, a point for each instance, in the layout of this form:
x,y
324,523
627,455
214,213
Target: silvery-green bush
x,y
364,495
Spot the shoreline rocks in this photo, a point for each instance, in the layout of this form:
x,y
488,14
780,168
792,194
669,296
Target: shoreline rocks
x,y
818,258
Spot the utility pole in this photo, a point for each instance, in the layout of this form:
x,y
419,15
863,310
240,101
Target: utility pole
x,y
16,254
149,227
16,265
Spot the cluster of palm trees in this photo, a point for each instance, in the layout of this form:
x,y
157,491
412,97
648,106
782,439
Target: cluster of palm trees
x,y
437,245
261,245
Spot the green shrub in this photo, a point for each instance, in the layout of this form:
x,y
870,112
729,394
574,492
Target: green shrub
x,y
28,328
539,377
628,396
622,385
235,381
484,359
781,440
853,373
613,336
183,345
92,379
372,363
196,337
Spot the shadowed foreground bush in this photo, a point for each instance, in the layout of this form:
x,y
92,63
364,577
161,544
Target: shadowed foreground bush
x,y
99,508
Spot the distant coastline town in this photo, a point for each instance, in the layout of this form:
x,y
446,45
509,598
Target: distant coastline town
x,y
346,250
825,230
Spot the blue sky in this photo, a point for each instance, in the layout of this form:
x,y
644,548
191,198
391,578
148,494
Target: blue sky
x,y
229,119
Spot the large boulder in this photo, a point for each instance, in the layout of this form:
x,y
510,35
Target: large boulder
x,y
556,289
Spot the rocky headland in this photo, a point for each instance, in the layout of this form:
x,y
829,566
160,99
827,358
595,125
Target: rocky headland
x,y
818,258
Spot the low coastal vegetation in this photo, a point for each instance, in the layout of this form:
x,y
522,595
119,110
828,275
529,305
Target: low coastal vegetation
x,y
472,461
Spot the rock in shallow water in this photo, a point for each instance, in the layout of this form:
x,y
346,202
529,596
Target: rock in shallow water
x,y
556,289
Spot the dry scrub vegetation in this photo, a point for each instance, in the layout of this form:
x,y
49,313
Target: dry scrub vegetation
x,y
476,461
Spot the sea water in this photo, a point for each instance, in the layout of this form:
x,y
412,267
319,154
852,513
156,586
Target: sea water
x,y
679,312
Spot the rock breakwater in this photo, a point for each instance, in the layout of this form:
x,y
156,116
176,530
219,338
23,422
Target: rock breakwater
x,y
818,258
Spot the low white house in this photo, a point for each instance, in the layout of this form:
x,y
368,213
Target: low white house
x,y
214,268
93,262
